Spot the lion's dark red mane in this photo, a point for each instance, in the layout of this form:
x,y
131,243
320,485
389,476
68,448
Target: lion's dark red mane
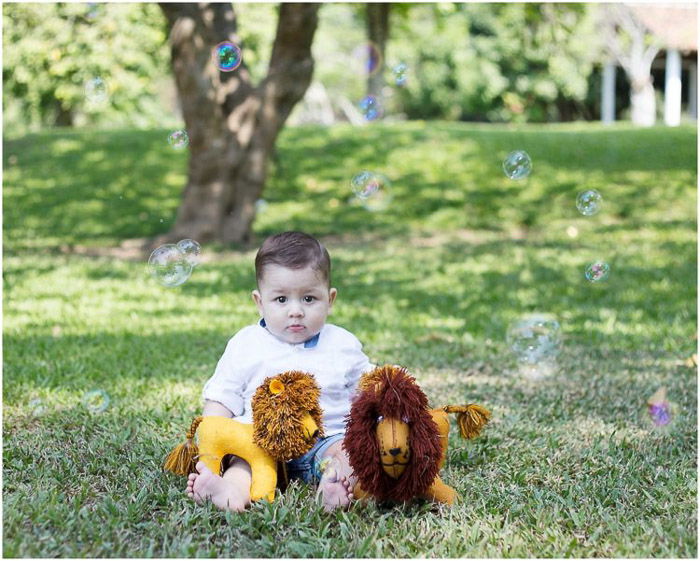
x,y
392,393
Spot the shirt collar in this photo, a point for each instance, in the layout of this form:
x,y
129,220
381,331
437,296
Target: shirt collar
x,y
308,344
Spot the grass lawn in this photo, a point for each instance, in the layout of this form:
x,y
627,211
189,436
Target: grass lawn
x,y
570,465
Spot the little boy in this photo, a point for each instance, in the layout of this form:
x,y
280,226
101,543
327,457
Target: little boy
x,y
294,298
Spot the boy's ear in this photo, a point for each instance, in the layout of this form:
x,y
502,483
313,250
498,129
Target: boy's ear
x,y
332,293
258,300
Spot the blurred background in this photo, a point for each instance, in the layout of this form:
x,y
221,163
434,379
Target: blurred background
x,y
516,63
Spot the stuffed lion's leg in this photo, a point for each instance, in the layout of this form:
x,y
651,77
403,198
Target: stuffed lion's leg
x,y
263,478
440,492
439,416
359,493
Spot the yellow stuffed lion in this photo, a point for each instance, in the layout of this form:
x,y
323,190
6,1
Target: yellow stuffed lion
x,y
286,423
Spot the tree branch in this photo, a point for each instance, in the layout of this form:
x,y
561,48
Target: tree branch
x,y
291,63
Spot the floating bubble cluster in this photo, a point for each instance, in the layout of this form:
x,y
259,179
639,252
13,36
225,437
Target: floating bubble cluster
x,y
597,271
179,139
96,91
517,165
368,59
372,189
535,341
370,107
227,56
589,202
96,401
171,264
400,72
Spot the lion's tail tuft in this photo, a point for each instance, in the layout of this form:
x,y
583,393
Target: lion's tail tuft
x,y
182,460
471,418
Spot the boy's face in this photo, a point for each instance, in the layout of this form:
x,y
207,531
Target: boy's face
x,y
294,302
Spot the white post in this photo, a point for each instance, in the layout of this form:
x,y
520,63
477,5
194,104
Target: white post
x,y
607,108
693,90
672,90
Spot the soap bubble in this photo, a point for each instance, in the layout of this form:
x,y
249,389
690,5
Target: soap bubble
x,y
96,401
36,407
572,231
93,8
534,339
660,412
589,202
227,56
400,72
372,189
597,271
191,250
261,206
370,107
169,265
517,165
361,184
96,91
179,139
537,370
368,59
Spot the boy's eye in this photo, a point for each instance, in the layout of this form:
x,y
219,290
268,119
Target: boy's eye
x,y
281,299
308,299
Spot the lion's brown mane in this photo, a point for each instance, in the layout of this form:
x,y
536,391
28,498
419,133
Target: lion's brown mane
x,y
276,416
389,391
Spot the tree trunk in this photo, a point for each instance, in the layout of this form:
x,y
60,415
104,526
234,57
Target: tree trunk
x,y
643,102
634,49
378,34
232,125
64,117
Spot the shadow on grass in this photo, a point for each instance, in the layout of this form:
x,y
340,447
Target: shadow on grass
x,y
73,187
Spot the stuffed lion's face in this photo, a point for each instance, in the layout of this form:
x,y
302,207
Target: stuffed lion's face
x,y
287,415
392,441
394,450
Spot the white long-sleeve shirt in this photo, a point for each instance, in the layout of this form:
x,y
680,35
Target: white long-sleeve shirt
x,y
334,357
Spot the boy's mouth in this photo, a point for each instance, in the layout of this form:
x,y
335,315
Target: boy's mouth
x,y
296,327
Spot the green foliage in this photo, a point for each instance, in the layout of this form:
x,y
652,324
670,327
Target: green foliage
x,y
500,62
52,51
497,62
569,466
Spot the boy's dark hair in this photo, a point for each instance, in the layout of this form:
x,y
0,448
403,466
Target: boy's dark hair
x,y
294,250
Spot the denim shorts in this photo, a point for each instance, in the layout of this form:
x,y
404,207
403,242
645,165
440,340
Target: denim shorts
x,y
307,467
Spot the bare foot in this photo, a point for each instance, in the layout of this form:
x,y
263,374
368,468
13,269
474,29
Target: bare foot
x,y
335,487
208,486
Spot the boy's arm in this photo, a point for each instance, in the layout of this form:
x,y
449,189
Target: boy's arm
x,y
214,408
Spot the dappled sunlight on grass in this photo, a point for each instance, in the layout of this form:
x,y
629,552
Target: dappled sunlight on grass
x,y
567,466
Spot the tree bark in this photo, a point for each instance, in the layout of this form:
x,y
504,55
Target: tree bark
x,y
232,124
378,34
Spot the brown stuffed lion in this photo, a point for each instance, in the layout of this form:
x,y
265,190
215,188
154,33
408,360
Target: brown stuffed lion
x,y
395,444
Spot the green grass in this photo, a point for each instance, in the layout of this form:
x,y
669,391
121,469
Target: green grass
x,y
569,467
